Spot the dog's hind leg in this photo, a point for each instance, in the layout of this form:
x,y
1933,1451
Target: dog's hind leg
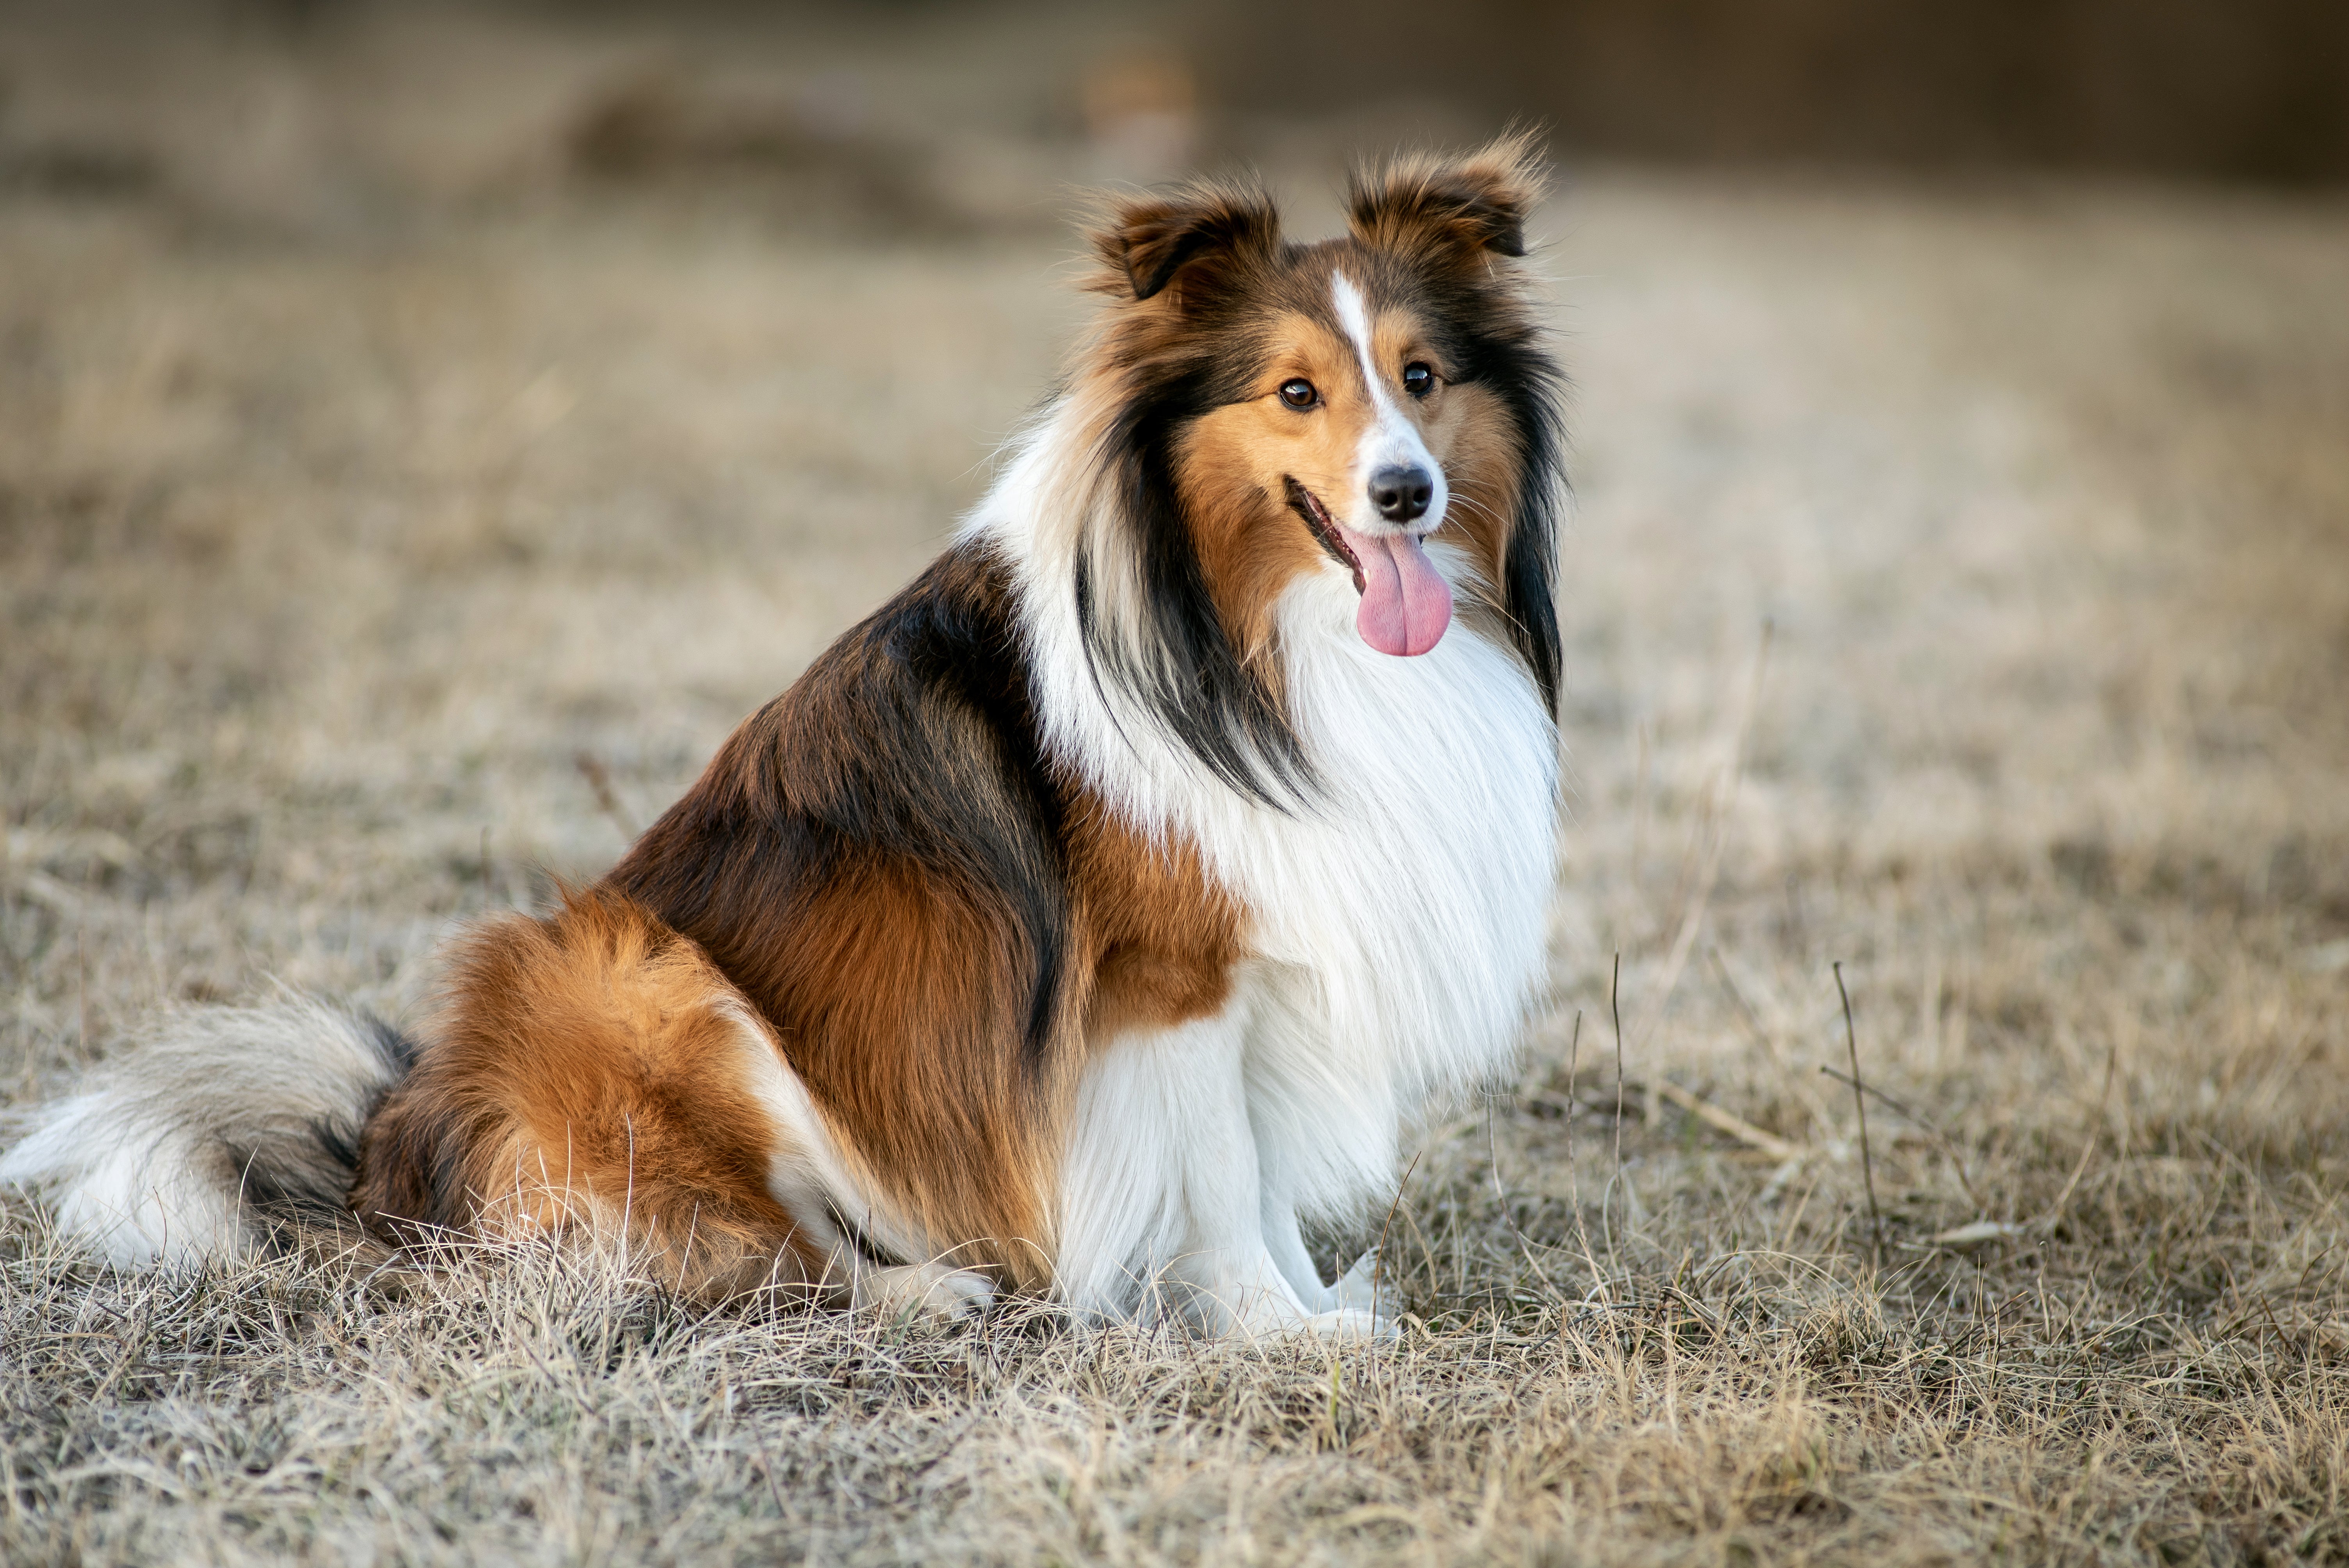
x,y
598,1082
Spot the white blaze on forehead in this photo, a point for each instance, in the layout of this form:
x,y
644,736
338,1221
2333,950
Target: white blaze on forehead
x,y
1356,319
1391,438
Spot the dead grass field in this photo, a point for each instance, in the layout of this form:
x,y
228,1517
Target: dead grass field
x,y
327,549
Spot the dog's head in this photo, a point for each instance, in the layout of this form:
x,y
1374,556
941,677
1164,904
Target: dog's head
x,y
1273,410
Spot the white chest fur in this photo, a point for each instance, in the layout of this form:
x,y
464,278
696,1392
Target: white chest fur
x,y
1412,892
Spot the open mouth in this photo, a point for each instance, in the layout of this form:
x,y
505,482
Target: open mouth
x,y
1316,518
1406,604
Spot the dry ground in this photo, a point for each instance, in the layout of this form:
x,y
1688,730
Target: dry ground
x,y
328,549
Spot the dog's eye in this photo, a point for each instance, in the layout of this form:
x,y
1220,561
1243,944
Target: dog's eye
x,y
1299,394
1418,379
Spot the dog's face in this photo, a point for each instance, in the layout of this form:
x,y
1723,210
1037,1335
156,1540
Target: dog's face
x,y
1332,407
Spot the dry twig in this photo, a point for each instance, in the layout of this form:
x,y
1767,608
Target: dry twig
x,y
1859,1100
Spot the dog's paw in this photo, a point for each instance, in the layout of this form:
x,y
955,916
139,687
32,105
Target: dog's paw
x,y
928,1291
962,1295
1355,1324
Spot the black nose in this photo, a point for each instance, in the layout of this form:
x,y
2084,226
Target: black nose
x,y
1401,494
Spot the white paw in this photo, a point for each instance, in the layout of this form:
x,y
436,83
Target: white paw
x,y
1354,1323
960,1294
1358,1285
923,1290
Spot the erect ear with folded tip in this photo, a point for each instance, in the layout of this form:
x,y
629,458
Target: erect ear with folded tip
x,y
1195,236
1471,205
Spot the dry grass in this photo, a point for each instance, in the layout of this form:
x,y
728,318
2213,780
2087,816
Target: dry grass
x,y
325,552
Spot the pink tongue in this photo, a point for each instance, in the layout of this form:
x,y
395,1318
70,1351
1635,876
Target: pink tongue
x,y
1406,604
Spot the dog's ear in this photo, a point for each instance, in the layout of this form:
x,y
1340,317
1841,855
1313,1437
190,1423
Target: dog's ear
x,y
1464,206
1199,234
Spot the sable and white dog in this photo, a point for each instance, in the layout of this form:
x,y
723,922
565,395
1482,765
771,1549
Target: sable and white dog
x,y
1101,909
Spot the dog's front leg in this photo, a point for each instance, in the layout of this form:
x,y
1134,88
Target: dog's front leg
x,y
1164,1211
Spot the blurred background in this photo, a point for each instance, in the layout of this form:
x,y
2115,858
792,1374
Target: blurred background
x,y
934,111
2255,90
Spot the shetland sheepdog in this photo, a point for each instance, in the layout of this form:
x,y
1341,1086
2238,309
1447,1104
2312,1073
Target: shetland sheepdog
x,y
1086,924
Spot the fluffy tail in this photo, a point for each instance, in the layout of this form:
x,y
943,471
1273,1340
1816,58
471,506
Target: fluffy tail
x,y
224,1130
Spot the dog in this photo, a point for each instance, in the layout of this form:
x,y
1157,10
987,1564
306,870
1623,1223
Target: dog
x,y
1086,924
